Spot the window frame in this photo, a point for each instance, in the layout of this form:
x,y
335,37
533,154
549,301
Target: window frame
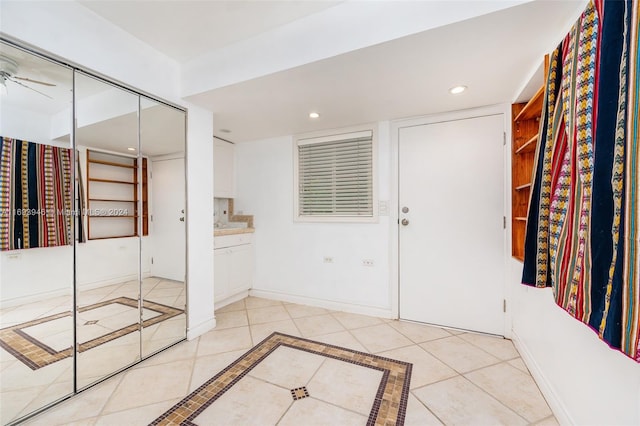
x,y
329,135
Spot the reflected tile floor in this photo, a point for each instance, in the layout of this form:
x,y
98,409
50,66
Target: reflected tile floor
x,y
457,377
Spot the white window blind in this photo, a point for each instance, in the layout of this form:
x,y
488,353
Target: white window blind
x,y
335,175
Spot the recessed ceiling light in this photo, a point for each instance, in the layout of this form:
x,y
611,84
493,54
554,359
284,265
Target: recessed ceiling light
x,y
131,149
314,115
457,90
225,130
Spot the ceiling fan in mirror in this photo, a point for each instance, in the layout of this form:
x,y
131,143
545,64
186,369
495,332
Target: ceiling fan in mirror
x,y
9,69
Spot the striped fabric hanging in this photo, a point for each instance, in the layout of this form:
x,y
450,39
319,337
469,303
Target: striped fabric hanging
x,y
35,195
582,235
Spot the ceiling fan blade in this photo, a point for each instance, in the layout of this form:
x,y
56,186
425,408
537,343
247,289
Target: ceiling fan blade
x,y
12,79
33,81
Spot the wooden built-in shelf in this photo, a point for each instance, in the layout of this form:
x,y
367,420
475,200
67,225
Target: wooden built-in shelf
x,y
521,187
528,146
533,108
113,216
112,163
525,127
124,182
108,238
112,201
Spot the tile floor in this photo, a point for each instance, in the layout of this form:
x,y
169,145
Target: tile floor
x,y
457,377
102,321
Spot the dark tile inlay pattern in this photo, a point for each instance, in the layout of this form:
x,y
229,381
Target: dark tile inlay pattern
x,y
299,393
35,354
91,322
388,409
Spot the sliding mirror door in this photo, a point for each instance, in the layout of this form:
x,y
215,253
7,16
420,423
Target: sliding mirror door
x,y
108,244
36,233
162,195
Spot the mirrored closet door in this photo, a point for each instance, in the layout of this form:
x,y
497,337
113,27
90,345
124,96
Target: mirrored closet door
x,y
36,233
92,230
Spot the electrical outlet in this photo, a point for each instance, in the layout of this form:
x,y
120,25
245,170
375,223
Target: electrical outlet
x,y
367,262
328,259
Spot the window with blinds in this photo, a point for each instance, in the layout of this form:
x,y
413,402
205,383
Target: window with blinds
x,y
335,176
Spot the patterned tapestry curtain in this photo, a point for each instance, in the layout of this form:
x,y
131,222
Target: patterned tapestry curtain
x,y
582,234
35,195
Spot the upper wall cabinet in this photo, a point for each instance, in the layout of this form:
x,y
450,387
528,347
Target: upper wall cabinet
x,y
224,183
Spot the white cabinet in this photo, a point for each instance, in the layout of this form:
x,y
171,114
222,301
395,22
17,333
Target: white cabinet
x,y
233,263
223,169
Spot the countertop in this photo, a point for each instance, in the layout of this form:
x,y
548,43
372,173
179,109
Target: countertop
x,y
232,231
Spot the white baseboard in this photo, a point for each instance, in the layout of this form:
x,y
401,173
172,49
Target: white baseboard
x,y
322,303
231,299
40,297
555,403
200,329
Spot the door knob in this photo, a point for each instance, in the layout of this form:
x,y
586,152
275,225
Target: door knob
x,y
182,219
405,210
404,222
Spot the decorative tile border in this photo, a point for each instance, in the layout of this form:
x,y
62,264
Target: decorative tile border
x,y
389,406
35,354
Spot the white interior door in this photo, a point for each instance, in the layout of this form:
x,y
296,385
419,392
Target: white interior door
x,y
168,224
451,250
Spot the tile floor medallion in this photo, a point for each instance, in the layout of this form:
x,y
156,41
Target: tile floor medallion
x,y
20,340
383,405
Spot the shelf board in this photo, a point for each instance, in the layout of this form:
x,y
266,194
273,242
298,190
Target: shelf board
x,y
520,218
111,201
521,187
124,182
533,107
528,146
112,163
116,236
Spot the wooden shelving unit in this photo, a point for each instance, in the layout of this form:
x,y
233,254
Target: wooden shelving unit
x,y
112,194
525,128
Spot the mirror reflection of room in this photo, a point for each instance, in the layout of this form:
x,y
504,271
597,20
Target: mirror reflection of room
x,y
36,232
94,206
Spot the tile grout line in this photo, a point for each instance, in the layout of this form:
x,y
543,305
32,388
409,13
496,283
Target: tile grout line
x,y
424,405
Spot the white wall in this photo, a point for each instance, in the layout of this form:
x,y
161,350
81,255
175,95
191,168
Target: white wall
x,y
290,255
74,33
585,382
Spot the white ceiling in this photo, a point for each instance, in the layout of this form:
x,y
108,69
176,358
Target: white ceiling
x,y
494,54
186,29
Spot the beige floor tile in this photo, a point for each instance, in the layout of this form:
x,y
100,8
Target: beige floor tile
x,y
513,388
185,350
426,368
219,341
496,346
311,412
14,402
258,302
261,331
267,314
299,311
462,356
149,385
19,376
85,405
288,367
319,324
343,339
351,321
346,385
231,319
419,415
549,421
419,333
519,364
458,401
379,338
206,367
136,416
232,307
248,402
50,394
